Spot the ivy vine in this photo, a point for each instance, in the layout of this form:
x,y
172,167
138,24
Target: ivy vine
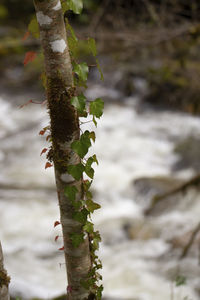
x,y
94,109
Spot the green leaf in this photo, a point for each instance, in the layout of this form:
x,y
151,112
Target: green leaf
x,y
92,206
88,227
94,121
88,169
93,136
87,185
81,147
70,191
79,103
180,280
90,172
99,292
33,28
96,107
76,239
99,68
75,5
76,170
92,46
81,216
96,240
82,71
95,159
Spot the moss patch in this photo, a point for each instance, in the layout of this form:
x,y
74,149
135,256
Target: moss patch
x,y
4,278
64,121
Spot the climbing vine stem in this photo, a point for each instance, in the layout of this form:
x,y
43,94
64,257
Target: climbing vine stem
x,y
59,94
86,206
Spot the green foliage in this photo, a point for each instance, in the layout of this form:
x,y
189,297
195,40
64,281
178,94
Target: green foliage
x,y
33,28
96,108
82,204
76,170
82,71
180,280
76,239
81,216
92,206
79,103
92,46
70,192
81,146
75,5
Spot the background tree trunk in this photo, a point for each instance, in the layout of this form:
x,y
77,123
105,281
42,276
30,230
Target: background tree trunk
x,y
64,130
4,279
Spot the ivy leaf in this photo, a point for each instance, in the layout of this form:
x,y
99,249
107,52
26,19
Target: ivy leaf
x,y
99,292
92,206
180,280
96,107
48,165
93,136
82,71
94,121
96,240
81,216
29,56
88,169
81,147
56,223
56,238
95,159
76,239
88,227
33,28
75,5
70,191
43,151
76,170
79,103
92,46
87,185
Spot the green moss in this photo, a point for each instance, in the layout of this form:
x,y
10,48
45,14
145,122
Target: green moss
x,y
4,278
64,121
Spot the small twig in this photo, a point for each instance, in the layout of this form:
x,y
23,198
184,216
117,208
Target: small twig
x,y
82,123
190,242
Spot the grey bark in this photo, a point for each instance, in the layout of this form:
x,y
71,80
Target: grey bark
x,y
64,130
4,279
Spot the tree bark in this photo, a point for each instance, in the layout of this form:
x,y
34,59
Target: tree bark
x,y
64,130
4,279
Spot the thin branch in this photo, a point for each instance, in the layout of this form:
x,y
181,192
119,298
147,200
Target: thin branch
x,y
190,242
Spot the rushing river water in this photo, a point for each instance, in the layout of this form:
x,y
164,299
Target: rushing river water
x,y
133,143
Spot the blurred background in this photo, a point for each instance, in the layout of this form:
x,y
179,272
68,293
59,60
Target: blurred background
x,y
148,146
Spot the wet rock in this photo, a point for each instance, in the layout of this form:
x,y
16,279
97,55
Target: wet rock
x,y
145,188
188,150
141,230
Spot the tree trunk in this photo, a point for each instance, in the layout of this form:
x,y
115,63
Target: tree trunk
x,y
4,279
64,130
